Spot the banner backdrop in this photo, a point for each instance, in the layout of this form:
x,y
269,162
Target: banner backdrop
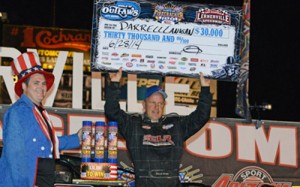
x,y
167,37
226,152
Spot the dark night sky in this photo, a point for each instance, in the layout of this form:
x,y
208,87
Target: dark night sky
x,y
274,43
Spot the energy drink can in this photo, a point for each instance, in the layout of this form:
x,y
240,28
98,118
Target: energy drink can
x,y
99,141
112,142
86,141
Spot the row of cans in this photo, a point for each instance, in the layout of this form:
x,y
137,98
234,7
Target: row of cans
x,y
105,148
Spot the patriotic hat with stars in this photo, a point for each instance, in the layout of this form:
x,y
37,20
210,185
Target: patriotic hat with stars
x,y
26,65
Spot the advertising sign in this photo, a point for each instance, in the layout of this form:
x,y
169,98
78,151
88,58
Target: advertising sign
x,y
173,38
48,43
78,89
225,153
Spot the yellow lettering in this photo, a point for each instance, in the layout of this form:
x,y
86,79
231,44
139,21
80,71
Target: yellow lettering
x,y
141,82
99,152
86,151
99,174
112,152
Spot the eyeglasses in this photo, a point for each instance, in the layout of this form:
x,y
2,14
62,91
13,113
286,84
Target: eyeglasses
x,y
159,104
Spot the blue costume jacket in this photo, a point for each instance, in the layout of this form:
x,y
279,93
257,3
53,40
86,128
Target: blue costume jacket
x,y
23,143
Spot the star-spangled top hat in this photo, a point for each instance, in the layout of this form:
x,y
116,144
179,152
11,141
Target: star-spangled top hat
x,y
26,65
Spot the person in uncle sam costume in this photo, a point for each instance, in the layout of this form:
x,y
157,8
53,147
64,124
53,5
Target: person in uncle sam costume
x,y
30,144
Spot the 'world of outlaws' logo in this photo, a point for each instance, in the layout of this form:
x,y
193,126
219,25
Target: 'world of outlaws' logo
x,y
249,176
120,10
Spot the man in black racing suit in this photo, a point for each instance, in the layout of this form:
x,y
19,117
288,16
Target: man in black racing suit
x,y
155,141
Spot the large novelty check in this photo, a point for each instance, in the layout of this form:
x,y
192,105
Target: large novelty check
x,y
163,42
